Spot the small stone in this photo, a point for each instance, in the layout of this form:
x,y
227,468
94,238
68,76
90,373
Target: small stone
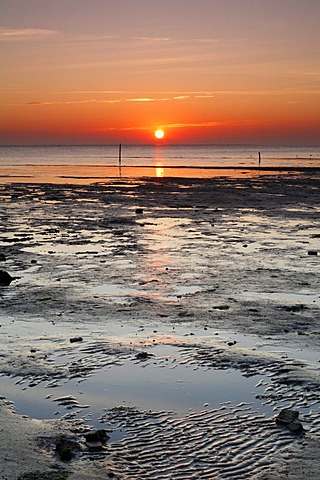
x,y
95,440
142,355
287,416
94,446
294,308
290,418
313,252
295,427
221,307
98,435
5,278
76,339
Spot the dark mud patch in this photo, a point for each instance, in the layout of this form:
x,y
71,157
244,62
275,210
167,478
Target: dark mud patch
x,y
53,475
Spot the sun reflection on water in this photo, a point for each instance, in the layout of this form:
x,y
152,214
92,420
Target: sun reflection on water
x,y
160,162
159,171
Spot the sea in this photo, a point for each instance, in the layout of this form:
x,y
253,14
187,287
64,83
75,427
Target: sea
x,y
100,161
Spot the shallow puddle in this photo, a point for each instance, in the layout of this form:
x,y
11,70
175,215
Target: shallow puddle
x,y
163,381
285,297
167,410
114,290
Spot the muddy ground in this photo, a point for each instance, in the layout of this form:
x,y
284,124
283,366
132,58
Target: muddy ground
x,y
218,268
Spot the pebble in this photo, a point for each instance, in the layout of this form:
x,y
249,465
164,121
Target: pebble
x,y
76,339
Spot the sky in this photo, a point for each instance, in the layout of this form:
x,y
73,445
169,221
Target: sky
x,y
203,71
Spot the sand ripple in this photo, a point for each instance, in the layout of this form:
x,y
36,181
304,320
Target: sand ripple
x,y
226,443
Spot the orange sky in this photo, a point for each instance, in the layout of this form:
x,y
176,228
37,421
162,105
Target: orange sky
x,y
205,71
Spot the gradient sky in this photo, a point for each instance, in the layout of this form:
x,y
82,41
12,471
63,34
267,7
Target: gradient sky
x,y
206,71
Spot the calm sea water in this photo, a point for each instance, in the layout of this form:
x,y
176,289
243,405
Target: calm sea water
x,y
166,155
89,164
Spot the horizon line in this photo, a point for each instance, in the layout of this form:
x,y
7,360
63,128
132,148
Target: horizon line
x,y
159,144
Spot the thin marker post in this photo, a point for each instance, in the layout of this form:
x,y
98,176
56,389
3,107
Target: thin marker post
x,y
119,154
120,159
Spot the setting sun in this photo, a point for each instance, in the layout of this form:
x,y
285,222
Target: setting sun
x,y
159,133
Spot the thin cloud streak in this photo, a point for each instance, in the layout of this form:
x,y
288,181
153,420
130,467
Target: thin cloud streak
x,y
180,98
80,102
207,124
176,125
25,34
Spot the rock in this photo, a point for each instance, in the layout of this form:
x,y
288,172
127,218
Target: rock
x,y
65,448
76,339
139,211
94,446
294,308
96,440
2,257
312,252
5,278
287,416
295,427
98,435
221,307
143,355
290,419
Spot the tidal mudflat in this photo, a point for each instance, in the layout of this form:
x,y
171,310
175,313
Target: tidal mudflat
x,y
179,315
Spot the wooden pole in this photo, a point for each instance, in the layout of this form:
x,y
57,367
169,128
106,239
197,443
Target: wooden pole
x,y
120,160
259,159
119,154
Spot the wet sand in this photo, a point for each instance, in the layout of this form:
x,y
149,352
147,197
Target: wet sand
x,y
210,275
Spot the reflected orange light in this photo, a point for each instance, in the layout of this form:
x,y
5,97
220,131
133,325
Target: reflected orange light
x,y
159,171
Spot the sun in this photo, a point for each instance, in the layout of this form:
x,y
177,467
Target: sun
x,y
159,133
